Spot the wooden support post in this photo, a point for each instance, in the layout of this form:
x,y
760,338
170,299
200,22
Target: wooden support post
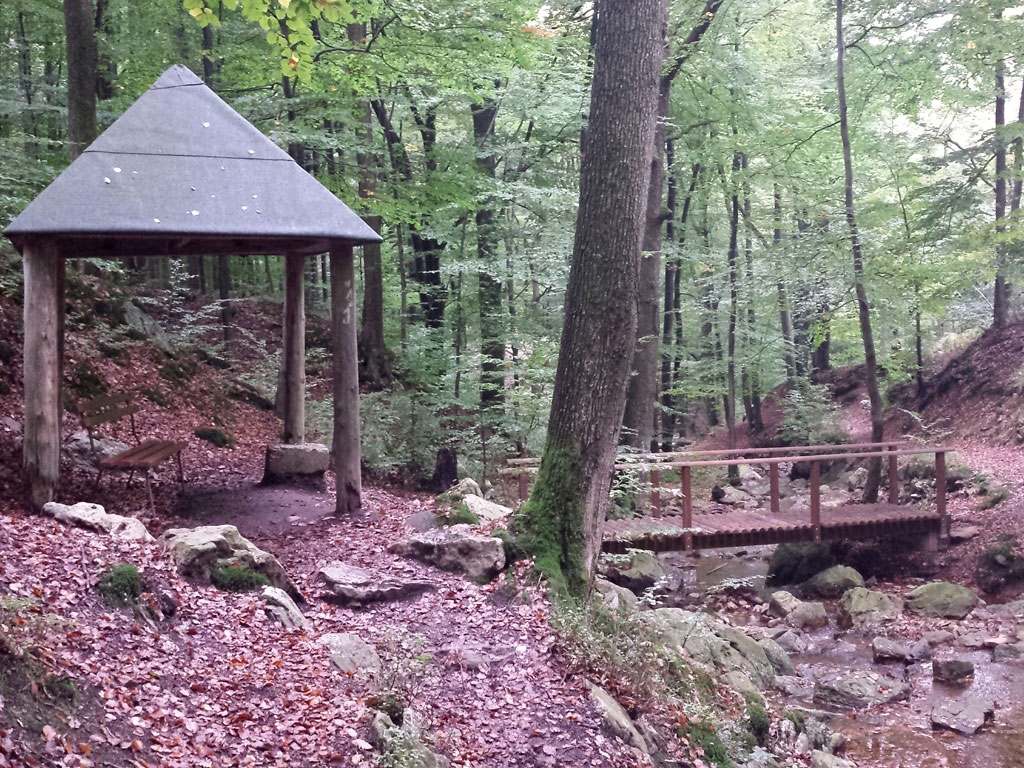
x,y
294,350
816,500
687,482
940,497
773,487
655,493
43,367
894,477
524,486
345,444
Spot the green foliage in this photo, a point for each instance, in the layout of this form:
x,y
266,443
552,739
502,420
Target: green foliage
x,y
759,722
237,578
810,417
215,436
1001,565
992,494
513,551
458,515
120,585
704,736
403,664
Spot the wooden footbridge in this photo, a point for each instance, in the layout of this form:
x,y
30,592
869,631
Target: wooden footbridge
x,y
730,527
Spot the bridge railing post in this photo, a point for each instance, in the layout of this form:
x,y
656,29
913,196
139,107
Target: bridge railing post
x,y
687,483
940,496
894,476
773,486
816,500
655,493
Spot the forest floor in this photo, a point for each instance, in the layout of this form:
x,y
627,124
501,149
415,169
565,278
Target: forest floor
x,y
221,685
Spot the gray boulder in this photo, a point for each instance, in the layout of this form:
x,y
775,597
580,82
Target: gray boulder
x,y
834,581
351,654
858,689
808,615
741,661
856,480
862,608
643,572
485,511
455,549
822,759
965,715
734,497
145,326
613,597
941,600
199,551
281,608
94,518
783,603
403,745
84,455
348,585
777,656
616,718
883,649
296,464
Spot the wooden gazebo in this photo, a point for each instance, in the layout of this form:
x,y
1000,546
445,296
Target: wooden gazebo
x,y
181,173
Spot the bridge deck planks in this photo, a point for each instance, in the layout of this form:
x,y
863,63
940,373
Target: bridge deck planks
x,y
748,527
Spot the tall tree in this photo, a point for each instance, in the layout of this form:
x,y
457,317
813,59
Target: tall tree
x,y
565,513
863,308
82,63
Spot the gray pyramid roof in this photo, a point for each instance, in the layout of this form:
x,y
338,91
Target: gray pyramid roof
x,y
180,172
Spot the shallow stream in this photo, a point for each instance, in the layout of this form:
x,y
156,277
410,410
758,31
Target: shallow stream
x,y
897,735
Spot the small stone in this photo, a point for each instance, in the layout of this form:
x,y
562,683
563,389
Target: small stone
x,y
280,607
859,689
961,533
883,649
966,716
938,637
834,581
351,654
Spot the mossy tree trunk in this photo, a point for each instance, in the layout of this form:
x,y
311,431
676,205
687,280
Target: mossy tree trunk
x,y
565,513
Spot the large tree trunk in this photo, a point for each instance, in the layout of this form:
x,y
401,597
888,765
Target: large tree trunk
x,y
345,443
492,319
81,51
784,316
1001,291
863,311
565,513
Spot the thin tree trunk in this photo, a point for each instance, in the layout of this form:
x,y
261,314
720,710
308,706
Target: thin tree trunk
x,y
863,310
565,512
345,441
750,375
730,360
1001,291
784,316
81,51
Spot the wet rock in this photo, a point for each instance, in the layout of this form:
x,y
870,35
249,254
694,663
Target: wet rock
x,y
84,455
643,572
455,549
93,517
952,670
761,758
616,718
613,597
834,581
961,533
777,655
348,585
1008,652
941,600
796,563
883,649
302,464
965,715
822,759
858,689
783,603
792,686
808,615
280,607
351,654
938,637
199,551
792,641
403,745
862,608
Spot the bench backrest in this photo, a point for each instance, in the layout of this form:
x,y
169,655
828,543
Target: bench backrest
x,y
105,410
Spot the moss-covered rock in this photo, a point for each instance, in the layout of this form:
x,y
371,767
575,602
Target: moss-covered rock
x,y
862,608
834,581
796,563
941,600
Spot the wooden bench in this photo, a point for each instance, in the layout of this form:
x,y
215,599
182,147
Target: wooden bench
x,y
145,456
